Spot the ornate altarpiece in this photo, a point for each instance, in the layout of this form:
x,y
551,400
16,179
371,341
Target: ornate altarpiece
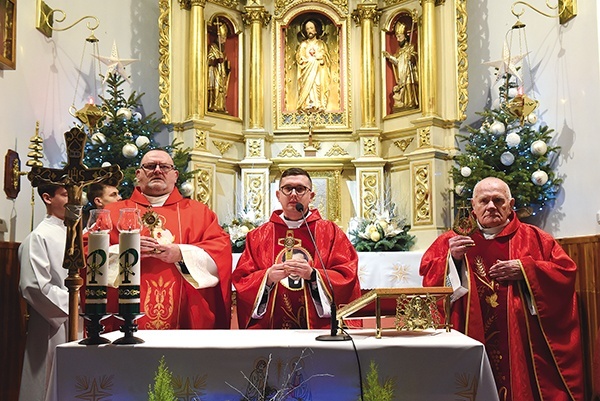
x,y
364,143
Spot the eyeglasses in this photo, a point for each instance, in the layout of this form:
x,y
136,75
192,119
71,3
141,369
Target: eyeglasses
x,y
300,190
164,167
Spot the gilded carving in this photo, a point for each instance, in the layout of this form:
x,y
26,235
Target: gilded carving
x,y
312,144
336,150
256,14
222,146
226,3
331,203
200,140
366,13
282,5
422,211
254,148
164,60
463,60
289,151
254,188
203,186
370,192
404,143
370,147
424,136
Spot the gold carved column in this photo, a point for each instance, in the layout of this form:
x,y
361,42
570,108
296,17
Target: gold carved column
x,y
197,60
255,190
429,59
369,165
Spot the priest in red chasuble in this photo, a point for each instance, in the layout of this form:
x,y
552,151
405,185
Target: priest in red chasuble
x,y
185,254
515,292
280,280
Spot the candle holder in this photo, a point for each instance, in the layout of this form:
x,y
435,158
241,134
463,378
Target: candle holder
x,y
128,327
94,328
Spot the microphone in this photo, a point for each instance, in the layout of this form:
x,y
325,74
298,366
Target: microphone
x,y
334,323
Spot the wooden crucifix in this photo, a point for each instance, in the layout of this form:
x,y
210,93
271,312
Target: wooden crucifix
x,y
74,176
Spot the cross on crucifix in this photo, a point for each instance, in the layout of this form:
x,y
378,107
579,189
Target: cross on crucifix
x,y
289,242
74,176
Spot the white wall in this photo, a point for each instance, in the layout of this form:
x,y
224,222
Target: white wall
x,y
565,66
43,85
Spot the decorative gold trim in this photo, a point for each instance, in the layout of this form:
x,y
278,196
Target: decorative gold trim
x,y
232,4
200,140
369,194
203,184
422,194
164,59
254,187
254,147
463,59
334,192
404,143
366,12
336,150
289,151
283,6
424,136
370,146
222,146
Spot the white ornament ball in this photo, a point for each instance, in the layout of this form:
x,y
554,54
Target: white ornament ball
x,y
84,199
128,134
106,164
98,138
496,104
539,177
142,141
507,158
538,148
513,139
497,128
124,112
465,171
512,92
130,150
186,189
459,189
532,118
137,116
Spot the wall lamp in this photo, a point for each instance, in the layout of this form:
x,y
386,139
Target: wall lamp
x,y
566,10
46,19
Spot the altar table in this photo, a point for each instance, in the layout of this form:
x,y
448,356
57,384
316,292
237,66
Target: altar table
x,y
228,365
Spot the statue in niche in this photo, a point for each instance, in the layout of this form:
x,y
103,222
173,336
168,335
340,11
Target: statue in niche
x,y
314,68
219,70
405,92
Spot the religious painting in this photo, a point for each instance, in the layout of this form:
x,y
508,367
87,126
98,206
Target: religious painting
x,y
401,59
222,87
8,34
312,70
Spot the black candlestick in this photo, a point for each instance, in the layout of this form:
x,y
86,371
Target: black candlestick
x,y
129,327
94,328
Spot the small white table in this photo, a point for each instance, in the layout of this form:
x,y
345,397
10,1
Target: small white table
x,y
219,365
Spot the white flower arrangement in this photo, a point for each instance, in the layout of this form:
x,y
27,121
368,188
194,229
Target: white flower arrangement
x,y
240,226
382,232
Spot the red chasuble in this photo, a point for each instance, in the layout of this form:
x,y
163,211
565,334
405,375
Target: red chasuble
x,y
167,299
533,357
290,305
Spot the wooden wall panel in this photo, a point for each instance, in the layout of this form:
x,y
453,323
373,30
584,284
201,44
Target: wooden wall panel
x,y
12,323
585,251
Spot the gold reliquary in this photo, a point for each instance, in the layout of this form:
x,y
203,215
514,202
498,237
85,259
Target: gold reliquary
x,y
413,309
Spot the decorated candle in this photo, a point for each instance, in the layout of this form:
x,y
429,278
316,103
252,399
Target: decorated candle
x,y
96,282
129,226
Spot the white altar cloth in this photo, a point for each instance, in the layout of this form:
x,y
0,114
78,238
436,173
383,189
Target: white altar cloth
x,y
383,269
218,365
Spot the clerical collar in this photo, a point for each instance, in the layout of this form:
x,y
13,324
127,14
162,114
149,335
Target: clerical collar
x,y
293,223
157,201
490,233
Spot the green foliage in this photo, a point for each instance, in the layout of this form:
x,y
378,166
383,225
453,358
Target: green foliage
x,y
124,124
380,233
484,146
163,384
239,228
374,390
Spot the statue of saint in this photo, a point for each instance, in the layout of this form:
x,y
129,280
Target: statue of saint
x,y
314,63
405,92
219,70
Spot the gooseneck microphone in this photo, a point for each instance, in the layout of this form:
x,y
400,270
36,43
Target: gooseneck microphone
x,y
334,323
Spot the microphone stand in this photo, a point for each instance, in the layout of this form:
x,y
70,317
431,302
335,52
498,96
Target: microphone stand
x,y
334,323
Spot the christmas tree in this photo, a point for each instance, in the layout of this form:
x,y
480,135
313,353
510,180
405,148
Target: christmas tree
x,y
125,135
509,144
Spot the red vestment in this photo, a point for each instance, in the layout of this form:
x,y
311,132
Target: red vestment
x,y
290,304
533,356
167,298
